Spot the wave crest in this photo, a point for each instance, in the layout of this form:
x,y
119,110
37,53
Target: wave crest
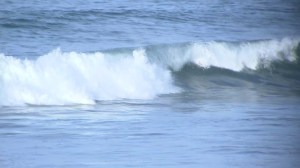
x,y
79,78
233,56
60,78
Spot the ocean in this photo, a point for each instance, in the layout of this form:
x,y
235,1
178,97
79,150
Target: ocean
x,y
149,83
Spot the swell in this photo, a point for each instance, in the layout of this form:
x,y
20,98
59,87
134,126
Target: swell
x,y
61,78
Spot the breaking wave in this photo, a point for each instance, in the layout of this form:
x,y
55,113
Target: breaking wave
x,y
70,78
60,78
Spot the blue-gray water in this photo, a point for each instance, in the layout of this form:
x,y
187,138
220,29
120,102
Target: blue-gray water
x,y
149,84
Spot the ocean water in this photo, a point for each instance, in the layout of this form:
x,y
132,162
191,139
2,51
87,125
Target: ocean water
x,y
149,83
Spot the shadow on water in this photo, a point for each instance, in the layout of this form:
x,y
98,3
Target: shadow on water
x,y
281,78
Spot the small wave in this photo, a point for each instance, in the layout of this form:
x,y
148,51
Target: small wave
x,y
199,66
233,56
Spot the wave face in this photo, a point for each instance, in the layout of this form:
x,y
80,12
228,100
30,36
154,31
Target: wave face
x,y
60,78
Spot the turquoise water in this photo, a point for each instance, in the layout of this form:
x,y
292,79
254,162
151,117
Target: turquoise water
x,y
149,84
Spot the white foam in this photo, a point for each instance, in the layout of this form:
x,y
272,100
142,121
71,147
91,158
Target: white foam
x,y
233,56
79,78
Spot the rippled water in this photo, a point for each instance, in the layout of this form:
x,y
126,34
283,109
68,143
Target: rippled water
x,y
149,84
36,27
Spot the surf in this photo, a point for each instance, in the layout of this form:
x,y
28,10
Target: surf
x,y
64,78
80,78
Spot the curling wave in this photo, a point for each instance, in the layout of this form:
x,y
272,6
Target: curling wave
x,y
60,78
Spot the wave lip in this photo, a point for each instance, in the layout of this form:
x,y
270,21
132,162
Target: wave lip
x,y
79,78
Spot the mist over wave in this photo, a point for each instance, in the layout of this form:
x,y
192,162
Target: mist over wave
x,y
60,78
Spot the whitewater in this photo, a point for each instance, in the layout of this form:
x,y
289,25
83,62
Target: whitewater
x,y
66,78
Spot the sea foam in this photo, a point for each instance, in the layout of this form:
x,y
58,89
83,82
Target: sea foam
x,y
249,55
60,78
